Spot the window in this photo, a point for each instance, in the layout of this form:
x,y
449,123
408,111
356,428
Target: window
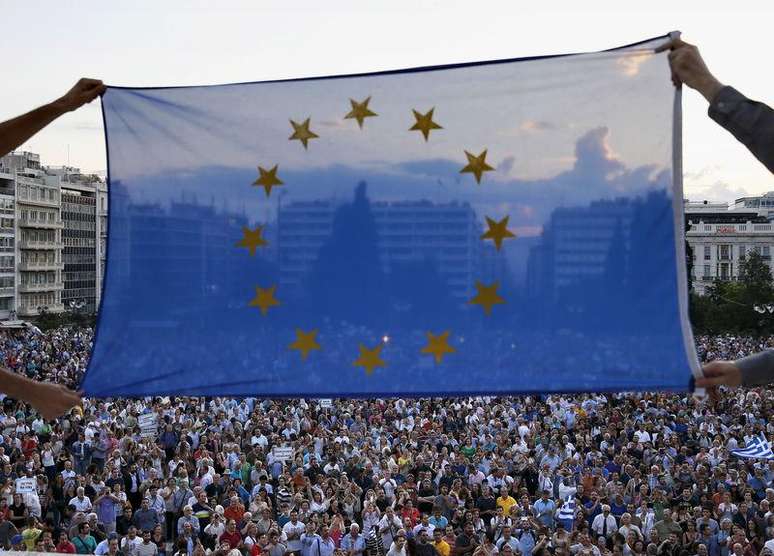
x,y
766,251
706,272
742,252
706,252
725,252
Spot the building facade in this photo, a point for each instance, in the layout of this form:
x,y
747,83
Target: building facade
x,y
80,239
48,222
720,238
576,245
39,226
407,231
7,246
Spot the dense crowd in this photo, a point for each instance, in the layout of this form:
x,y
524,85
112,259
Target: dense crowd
x,y
588,475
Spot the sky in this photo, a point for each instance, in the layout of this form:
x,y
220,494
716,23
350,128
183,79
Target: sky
x,y
46,46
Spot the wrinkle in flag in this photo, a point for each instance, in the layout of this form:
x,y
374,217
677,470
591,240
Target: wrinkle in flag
x,y
488,228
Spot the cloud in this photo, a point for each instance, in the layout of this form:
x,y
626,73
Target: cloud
x,y
83,126
596,174
594,156
629,64
718,191
704,185
335,124
506,165
533,126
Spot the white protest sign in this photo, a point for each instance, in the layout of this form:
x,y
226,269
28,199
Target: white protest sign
x,y
26,485
148,423
283,452
325,403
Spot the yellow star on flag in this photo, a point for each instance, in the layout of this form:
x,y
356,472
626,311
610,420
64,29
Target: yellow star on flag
x,y
305,342
438,346
487,297
264,298
498,231
424,123
369,358
252,239
476,165
268,179
360,111
301,132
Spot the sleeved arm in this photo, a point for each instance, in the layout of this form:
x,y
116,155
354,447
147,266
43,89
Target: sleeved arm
x,y
751,122
757,369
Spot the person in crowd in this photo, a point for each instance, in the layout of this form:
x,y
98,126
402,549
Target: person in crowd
x,y
663,461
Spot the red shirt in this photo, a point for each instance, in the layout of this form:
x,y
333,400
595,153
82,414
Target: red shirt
x,y
235,513
65,547
412,514
234,539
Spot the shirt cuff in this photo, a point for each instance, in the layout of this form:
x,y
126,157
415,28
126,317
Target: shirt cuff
x,y
724,103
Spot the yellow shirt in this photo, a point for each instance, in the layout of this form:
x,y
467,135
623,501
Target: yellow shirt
x,y
30,537
506,504
442,547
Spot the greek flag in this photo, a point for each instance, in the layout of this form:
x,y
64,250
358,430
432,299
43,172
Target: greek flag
x,y
567,511
757,448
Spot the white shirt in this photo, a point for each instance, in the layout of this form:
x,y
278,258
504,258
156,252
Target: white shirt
x,y
598,524
81,505
395,552
290,528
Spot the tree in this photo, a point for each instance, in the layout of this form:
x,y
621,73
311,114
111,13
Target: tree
x,y
756,277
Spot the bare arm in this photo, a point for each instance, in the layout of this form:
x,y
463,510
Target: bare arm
x,y
15,132
51,400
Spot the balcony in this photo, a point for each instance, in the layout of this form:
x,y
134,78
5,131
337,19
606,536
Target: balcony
x,y
37,202
5,292
50,287
36,244
41,224
40,265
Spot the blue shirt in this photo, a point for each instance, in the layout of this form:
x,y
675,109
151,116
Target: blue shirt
x,y
439,522
356,545
544,511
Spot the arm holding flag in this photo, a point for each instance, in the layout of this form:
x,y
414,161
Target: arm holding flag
x,y
751,122
16,131
51,400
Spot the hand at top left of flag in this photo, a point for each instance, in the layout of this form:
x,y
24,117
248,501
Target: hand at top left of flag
x,y
83,92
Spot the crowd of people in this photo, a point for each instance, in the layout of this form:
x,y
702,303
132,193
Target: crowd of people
x,y
588,475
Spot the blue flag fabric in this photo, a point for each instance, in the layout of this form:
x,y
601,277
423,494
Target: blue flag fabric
x,y
486,228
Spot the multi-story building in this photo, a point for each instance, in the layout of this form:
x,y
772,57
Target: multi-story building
x,y
7,245
407,231
81,238
51,223
576,245
720,237
38,235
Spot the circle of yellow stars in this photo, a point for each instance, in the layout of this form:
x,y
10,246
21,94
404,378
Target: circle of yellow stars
x,y
370,359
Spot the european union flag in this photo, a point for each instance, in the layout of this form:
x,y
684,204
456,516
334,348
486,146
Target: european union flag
x,y
500,227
